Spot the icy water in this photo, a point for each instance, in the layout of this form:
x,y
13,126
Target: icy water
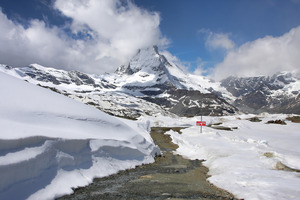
x,y
170,177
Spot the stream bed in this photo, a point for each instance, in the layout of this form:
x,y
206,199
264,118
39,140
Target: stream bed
x,y
169,177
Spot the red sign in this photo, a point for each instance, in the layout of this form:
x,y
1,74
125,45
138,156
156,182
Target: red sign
x,y
201,123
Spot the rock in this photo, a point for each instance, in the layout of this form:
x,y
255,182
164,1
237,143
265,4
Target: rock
x,y
278,121
295,119
254,119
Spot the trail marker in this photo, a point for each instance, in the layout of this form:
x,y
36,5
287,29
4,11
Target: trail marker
x,y
201,123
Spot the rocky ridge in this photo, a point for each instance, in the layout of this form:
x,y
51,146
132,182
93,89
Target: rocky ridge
x,y
279,93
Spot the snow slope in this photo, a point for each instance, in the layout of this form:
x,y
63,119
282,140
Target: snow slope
x,y
50,143
254,161
89,89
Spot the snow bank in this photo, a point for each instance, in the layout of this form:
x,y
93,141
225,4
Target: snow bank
x,y
50,143
246,161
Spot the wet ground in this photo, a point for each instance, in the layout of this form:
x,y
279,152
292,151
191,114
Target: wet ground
x,y
170,177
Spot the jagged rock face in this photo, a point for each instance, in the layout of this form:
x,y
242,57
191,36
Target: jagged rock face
x,y
242,86
147,73
150,72
189,103
146,60
57,77
274,94
193,103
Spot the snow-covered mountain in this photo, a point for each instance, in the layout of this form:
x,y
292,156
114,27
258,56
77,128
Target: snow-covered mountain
x,y
150,73
279,93
148,85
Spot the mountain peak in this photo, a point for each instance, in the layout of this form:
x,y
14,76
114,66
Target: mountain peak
x,y
150,69
147,60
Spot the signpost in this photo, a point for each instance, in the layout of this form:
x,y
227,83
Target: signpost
x,y
201,123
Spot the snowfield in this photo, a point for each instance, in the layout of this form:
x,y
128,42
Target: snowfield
x,y
50,144
254,161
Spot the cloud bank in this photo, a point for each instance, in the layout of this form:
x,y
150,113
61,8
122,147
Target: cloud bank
x,y
104,35
264,56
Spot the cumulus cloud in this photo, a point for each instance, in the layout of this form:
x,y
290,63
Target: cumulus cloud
x,y
36,44
218,44
214,41
264,56
105,34
219,40
201,70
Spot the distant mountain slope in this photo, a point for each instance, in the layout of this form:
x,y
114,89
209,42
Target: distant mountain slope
x,y
279,93
90,89
152,85
148,85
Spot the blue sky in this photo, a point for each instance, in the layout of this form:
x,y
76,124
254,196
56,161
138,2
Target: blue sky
x,y
207,36
243,20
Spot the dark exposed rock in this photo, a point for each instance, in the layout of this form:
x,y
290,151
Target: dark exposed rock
x,y
193,103
254,119
278,121
295,119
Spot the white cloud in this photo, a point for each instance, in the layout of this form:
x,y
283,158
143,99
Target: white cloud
x,y
200,67
219,40
113,32
264,56
214,41
199,71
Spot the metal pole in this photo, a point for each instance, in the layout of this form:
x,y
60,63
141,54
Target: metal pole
x,y
201,123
